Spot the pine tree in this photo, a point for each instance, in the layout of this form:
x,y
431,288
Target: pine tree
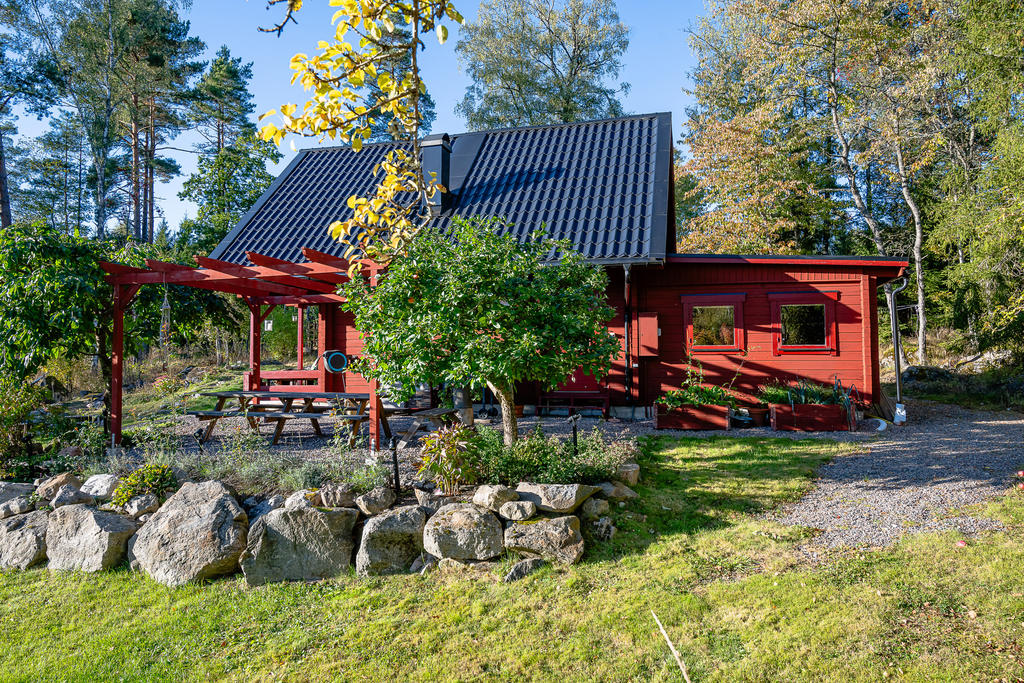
x,y
222,103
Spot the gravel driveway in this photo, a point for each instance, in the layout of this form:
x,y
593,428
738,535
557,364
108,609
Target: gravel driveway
x,y
946,458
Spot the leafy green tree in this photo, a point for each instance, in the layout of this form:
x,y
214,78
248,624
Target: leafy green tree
x,y
475,307
55,302
224,187
534,62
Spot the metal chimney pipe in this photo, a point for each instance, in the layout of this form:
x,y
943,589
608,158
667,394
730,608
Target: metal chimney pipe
x,y
894,321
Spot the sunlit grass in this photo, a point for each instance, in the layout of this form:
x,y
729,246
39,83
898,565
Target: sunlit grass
x,y
727,583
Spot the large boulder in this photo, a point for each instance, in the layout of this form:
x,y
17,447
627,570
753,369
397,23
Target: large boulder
x,y
376,501
594,508
616,490
493,496
556,539
628,473
522,569
463,531
432,500
10,490
70,495
338,496
48,488
198,534
23,540
391,541
82,538
299,544
101,486
256,507
561,498
305,498
140,505
518,510
15,506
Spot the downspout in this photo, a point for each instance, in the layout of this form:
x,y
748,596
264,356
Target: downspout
x,y
628,326
894,322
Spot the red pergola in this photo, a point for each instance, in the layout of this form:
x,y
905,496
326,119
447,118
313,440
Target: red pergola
x,y
267,283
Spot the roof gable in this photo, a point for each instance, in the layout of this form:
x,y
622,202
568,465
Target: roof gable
x,y
603,185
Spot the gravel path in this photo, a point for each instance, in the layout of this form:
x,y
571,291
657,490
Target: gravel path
x,y
913,477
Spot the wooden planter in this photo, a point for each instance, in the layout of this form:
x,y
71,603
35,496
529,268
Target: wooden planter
x,y
812,417
693,417
758,415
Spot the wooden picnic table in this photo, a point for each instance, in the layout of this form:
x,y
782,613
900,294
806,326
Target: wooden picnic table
x,y
289,405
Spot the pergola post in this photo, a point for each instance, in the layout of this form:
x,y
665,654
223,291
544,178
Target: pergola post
x,y
375,404
123,296
301,337
255,345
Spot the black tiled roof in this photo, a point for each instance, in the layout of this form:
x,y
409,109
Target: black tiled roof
x,y
604,185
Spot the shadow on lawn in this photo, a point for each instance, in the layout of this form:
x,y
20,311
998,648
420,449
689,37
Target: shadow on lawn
x,y
693,485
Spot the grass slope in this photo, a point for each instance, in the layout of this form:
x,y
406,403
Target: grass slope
x,y
728,585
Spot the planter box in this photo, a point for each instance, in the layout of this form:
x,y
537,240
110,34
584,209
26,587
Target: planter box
x,y
812,417
693,417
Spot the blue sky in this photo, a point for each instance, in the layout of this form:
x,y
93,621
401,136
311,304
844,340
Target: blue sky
x,y
656,65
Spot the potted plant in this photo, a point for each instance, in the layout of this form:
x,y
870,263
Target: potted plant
x,y
809,407
758,414
695,405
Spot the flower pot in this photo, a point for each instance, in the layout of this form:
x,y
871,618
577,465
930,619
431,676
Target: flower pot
x,y
759,415
693,417
812,417
519,411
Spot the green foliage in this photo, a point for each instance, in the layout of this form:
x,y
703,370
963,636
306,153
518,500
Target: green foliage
x,y
547,460
225,185
166,386
446,458
55,430
803,392
533,62
475,307
368,477
17,400
151,478
694,392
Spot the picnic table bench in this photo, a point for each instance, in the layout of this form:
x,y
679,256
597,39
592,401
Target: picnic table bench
x,y
438,417
282,406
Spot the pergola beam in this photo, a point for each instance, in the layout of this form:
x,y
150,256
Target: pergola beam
x,y
316,271
263,274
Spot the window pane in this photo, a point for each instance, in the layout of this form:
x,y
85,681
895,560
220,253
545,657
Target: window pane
x,y
803,325
713,326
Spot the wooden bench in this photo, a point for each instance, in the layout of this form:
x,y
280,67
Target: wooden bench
x,y
438,417
569,399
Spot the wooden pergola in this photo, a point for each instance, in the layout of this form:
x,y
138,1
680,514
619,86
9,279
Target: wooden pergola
x,y
267,283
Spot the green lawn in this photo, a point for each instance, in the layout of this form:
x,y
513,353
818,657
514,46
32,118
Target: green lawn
x,y
729,587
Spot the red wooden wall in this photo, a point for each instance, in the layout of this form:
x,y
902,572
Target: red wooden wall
x,y
660,360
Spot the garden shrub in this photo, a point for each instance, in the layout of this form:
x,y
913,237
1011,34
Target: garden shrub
x,y
150,478
447,460
547,460
802,392
17,402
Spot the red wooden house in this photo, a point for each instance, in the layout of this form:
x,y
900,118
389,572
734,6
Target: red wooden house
x,y
606,186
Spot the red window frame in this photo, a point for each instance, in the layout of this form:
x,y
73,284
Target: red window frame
x,y
739,334
828,299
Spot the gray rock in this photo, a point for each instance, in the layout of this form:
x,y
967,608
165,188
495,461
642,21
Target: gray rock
x,y
305,498
338,496
257,508
522,569
557,539
376,501
422,562
391,541
10,490
518,510
23,540
196,535
101,486
299,544
82,538
604,529
560,498
616,490
628,473
141,505
48,489
70,453
463,531
493,496
432,501
593,508
16,506
144,518
71,495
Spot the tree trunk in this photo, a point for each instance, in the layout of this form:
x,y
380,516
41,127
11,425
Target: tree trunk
x,y
5,196
509,424
915,211
106,368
